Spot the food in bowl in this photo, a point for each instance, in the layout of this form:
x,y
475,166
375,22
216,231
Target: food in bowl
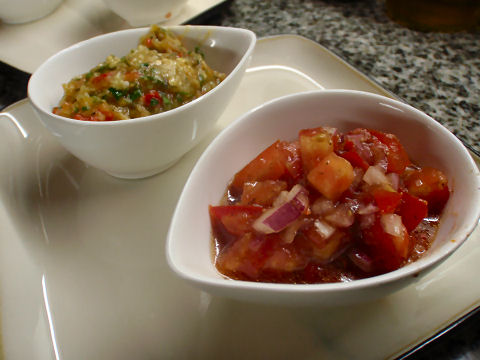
x,y
160,74
428,143
327,207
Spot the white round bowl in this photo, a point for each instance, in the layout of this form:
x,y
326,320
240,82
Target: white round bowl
x,y
23,11
189,241
140,147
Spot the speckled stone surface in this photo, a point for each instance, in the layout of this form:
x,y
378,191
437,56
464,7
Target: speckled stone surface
x,y
436,73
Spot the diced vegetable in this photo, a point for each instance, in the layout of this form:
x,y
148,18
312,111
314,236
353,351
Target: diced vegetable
x,y
397,157
428,184
332,176
270,164
315,144
262,193
279,217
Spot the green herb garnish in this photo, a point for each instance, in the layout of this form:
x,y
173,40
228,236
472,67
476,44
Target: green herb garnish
x,y
116,93
135,94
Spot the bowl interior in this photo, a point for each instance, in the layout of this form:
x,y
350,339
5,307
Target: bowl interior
x,y
428,143
224,49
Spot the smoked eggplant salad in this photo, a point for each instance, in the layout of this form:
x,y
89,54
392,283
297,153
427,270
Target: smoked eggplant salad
x,y
157,76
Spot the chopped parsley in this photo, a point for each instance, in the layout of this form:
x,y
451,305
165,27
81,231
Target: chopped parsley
x,y
116,93
199,51
135,94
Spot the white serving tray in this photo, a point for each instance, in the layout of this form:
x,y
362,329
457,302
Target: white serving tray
x,y
26,46
83,273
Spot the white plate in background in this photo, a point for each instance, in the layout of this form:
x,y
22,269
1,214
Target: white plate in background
x,y
26,46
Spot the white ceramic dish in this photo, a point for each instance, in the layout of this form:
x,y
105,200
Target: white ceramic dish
x,y
189,243
146,12
82,261
73,21
141,147
22,11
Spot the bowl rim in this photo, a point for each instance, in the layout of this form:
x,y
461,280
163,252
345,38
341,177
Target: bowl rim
x,y
141,30
409,270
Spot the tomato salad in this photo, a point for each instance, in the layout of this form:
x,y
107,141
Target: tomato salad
x,y
327,207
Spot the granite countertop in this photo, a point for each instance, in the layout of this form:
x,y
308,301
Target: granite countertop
x,y
436,73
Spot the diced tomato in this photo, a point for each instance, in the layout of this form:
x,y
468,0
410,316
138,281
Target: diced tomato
x,y
149,42
131,76
412,210
247,255
293,162
386,200
355,159
429,184
388,252
106,113
397,157
324,250
152,94
83,117
262,193
101,81
315,144
235,219
285,259
270,164
332,176
360,142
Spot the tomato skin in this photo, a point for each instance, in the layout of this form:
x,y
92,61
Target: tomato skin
x,y
397,157
249,255
101,81
152,94
412,210
131,76
429,184
332,176
355,159
84,118
385,255
293,159
386,200
262,193
231,221
277,161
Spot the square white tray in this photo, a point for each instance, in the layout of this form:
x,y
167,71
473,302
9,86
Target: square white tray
x,y
83,273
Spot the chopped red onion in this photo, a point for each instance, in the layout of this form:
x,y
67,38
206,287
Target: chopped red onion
x,y
375,176
341,216
392,224
323,228
361,260
322,206
288,235
281,198
279,217
394,179
370,208
366,221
